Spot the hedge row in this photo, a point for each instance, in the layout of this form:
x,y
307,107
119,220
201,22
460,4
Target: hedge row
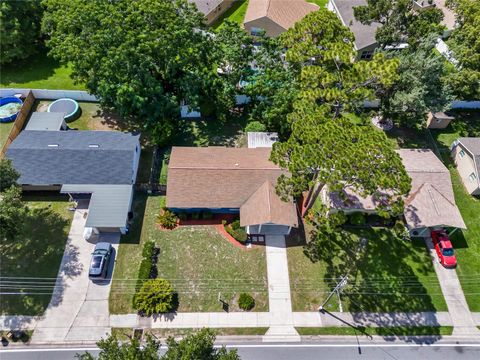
x,y
148,265
235,231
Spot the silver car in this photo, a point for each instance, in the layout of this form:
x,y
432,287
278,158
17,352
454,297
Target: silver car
x,y
100,260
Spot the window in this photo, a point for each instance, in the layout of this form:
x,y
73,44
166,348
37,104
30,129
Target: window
x,y
254,31
472,177
461,153
366,55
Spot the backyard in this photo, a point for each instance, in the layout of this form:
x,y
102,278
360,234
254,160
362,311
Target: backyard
x,y
4,131
35,253
197,260
236,14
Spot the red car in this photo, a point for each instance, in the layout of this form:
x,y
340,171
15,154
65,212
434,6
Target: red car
x,y
444,249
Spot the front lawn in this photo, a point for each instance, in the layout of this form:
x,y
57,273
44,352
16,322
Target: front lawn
x,y
35,254
38,72
235,13
381,331
391,275
198,261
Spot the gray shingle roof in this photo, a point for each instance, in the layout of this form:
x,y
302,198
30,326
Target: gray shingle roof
x,y
364,34
73,157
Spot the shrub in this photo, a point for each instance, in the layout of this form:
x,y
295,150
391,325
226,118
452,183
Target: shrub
x,y
154,297
238,234
167,219
400,230
246,302
235,225
357,218
147,265
207,215
182,216
255,126
195,216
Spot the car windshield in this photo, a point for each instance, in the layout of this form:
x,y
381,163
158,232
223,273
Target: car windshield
x,y
447,252
96,261
100,252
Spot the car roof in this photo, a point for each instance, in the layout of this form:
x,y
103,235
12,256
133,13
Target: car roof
x,y
102,246
446,243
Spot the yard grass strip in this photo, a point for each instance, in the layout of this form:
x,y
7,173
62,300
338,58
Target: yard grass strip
x,y
381,331
126,333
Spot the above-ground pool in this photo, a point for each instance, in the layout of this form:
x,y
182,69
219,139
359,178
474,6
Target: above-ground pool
x,y
65,105
9,108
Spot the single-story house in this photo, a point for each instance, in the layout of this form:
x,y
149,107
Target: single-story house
x,y
230,181
430,203
438,120
274,17
365,43
48,121
466,154
102,164
212,9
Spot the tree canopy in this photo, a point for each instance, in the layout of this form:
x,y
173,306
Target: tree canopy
x,y
141,57
400,22
8,174
12,211
19,29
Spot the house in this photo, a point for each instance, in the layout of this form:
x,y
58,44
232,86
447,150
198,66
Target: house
x,y
101,165
438,120
274,17
448,21
365,43
212,9
430,203
466,154
230,181
261,139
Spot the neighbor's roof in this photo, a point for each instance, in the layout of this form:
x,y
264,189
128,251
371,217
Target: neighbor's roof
x,y
51,121
265,207
109,204
283,12
217,177
364,34
73,157
431,201
472,145
206,6
261,139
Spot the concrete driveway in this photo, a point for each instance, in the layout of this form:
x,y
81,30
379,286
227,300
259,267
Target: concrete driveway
x,y
78,310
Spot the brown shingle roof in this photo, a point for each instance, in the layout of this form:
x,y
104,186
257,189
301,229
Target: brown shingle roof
x,y
283,12
265,207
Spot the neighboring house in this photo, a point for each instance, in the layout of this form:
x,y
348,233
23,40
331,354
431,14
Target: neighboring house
x,y
274,17
365,43
466,153
448,15
212,9
230,181
430,203
101,164
438,120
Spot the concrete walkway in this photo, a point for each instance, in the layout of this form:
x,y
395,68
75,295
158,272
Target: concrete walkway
x,y
462,319
78,310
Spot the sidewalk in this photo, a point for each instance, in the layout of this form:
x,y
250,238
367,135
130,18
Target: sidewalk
x,y
462,319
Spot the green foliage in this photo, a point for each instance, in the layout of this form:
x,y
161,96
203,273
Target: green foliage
x,y
400,230
357,218
12,212
199,345
8,174
399,21
182,216
207,215
154,297
111,348
237,232
235,225
167,219
195,215
246,302
19,29
146,265
255,126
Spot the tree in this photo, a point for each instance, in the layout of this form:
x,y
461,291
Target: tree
x,y
465,44
19,29
154,297
8,174
198,346
420,87
12,212
399,21
141,57
112,349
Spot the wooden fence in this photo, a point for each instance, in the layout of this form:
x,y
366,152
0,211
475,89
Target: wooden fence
x,y
19,122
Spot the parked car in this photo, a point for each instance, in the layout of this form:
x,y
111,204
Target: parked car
x,y
100,260
444,249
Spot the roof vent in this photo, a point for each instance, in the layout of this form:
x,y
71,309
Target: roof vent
x,y
93,146
53,145
236,164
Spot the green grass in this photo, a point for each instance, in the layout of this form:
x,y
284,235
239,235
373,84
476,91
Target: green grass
x,y
391,275
198,261
38,72
381,331
126,333
320,3
4,131
235,13
37,252
466,123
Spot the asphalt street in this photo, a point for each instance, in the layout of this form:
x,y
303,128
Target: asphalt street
x,y
294,351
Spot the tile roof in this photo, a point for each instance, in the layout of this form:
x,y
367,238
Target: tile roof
x,y
283,12
206,6
73,157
